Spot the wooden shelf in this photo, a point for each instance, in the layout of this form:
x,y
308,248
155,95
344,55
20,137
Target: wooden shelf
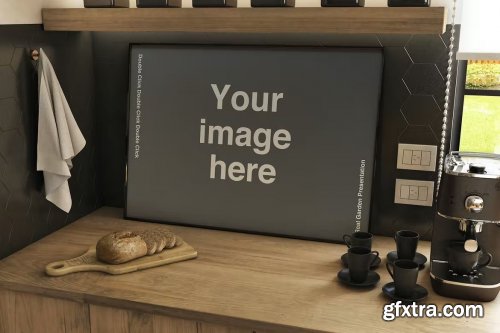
x,y
251,20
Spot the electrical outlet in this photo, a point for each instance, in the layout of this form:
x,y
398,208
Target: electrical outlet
x,y
414,192
417,157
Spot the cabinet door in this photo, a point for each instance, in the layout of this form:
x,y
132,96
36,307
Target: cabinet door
x,y
105,319
29,313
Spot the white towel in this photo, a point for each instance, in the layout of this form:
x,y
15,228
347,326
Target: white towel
x,y
59,138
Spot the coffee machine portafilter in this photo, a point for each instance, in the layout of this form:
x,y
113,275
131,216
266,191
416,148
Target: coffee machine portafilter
x,y
468,214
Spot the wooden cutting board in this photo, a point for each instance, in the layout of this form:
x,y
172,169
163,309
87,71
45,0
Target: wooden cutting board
x,y
88,262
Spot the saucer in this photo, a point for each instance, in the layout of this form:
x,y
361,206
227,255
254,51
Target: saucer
x,y
372,279
373,266
420,259
419,293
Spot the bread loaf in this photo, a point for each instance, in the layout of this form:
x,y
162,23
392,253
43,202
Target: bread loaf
x,y
119,247
122,246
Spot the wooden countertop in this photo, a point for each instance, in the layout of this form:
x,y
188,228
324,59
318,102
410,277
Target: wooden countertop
x,y
266,283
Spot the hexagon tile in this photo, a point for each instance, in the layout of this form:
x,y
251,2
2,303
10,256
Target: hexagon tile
x,y
424,79
426,48
420,109
25,215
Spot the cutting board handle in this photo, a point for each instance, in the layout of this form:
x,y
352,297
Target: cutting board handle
x,y
79,264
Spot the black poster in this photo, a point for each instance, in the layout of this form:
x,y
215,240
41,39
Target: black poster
x,y
276,140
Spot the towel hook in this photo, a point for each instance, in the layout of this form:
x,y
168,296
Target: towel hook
x,y
35,54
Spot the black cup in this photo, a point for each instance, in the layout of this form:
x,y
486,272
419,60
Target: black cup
x,y
404,274
406,244
360,238
463,262
359,260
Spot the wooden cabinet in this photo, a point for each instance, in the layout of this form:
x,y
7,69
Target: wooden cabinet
x,y
239,283
29,313
105,319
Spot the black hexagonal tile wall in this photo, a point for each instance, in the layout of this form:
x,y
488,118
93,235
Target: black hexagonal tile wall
x,y
10,114
412,116
3,166
4,196
25,214
5,231
424,79
7,82
21,233
18,205
6,51
399,221
397,60
394,40
418,133
13,148
18,58
420,109
425,48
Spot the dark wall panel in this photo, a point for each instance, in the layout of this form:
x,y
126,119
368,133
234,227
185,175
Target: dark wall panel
x,y
411,112
25,214
411,106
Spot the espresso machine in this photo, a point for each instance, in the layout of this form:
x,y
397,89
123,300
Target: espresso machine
x,y
468,214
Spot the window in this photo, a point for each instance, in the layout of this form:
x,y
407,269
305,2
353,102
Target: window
x,y
480,130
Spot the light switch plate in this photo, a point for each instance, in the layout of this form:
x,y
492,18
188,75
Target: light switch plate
x,y
414,192
417,157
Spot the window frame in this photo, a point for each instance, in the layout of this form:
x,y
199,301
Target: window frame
x,y
482,92
458,105
460,92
